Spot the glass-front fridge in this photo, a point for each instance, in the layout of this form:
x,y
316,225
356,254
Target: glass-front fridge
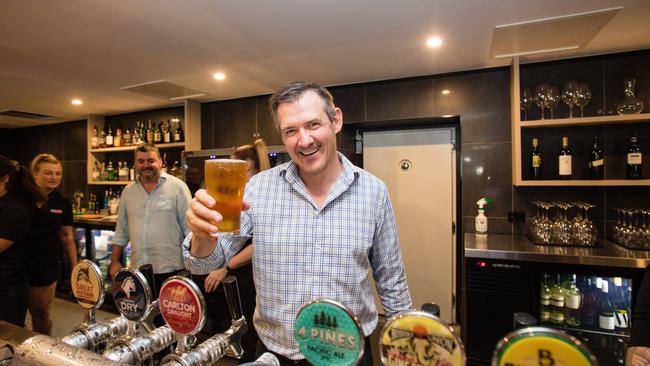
x,y
101,248
595,309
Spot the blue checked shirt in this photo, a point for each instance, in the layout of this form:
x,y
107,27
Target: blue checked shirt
x,y
303,252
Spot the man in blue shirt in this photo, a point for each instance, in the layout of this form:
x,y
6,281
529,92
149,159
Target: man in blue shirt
x,y
151,216
318,223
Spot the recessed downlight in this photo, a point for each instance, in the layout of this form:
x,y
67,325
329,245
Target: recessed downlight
x,y
77,102
434,42
219,76
445,92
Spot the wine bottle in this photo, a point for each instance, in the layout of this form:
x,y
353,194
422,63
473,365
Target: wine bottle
x,y
606,319
94,140
571,301
590,302
634,158
564,160
596,161
536,161
109,136
557,302
545,300
619,299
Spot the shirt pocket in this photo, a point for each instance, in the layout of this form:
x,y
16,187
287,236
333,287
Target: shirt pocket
x,y
164,203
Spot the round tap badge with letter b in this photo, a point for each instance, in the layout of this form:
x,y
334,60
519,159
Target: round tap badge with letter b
x,y
87,284
328,334
132,294
182,305
418,338
541,346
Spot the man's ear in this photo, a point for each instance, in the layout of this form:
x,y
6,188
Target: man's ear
x,y
338,119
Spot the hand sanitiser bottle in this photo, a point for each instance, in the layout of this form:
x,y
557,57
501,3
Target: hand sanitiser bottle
x,y
481,221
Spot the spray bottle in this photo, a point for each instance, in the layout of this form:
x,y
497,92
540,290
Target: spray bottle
x,y
481,221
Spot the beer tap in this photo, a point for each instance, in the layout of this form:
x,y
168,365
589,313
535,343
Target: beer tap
x,y
183,308
88,288
133,297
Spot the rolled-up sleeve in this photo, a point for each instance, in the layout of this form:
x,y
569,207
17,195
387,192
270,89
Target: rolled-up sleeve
x,y
121,235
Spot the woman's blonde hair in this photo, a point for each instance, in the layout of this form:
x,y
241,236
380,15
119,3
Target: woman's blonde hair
x,y
43,158
256,152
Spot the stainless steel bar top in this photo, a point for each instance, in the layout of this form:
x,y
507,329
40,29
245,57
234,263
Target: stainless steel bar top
x,y
519,248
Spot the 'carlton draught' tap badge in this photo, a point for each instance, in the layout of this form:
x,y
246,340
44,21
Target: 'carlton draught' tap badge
x,y
132,294
329,334
541,346
182,305
420,339
87,285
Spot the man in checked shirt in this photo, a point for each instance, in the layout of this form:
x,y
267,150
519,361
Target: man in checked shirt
x,y
318,224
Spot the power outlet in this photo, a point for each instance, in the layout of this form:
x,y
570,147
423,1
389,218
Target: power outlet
x,y
516,217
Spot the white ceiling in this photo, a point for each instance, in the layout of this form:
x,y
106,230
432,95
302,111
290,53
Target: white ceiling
x,y
54,51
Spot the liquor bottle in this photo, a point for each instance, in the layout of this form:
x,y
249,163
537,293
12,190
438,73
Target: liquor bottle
x,y
137,140
564,160
536,161
619,300
590,302
557,302
103,173
110,171
167,135
109,137
606,319
127,137
634,158
545,299
102,138
178,135
94,140
150,132
95,173
571,301
157,133
596,161
176,171
118,140
164,163
132,173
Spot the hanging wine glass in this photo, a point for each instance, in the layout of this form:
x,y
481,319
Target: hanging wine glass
x,y
541,95
583,96
526,102
569,95
553,99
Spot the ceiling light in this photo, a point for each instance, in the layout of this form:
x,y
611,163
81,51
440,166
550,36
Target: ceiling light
x,y
445,92
434,42
76,102
219,76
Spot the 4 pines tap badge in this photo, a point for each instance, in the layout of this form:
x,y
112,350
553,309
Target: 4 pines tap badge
x,y
420,339
328,334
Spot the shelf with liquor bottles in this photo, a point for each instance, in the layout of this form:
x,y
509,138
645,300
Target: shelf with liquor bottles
x,y
601,113
112,140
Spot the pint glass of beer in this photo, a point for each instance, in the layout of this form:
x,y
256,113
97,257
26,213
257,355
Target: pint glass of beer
x,y
225,180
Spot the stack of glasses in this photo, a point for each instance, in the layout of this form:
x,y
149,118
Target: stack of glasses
x,y
559,230
632,228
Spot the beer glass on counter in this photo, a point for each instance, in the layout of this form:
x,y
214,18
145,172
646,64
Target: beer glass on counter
x,y
225,180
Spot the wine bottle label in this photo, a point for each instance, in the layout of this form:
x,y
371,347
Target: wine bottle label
x,y
481,224
558,317
109,140
565,164
606,321
634,158
572,301
546,300
620,319
177,137
545,315
537,161
598,162
557,301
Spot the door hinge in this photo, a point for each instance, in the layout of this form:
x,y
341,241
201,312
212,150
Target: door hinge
x,y
453,227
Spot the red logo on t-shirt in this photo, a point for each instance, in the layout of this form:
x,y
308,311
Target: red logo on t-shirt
x,y
56,211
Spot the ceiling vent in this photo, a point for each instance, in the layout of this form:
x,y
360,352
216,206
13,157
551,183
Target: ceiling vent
x,y
165,90
25,115
562,33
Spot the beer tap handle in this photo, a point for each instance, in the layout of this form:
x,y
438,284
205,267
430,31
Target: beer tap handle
x,y
231,290
523,320
147,271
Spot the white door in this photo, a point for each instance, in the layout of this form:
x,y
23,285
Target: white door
x,y
418,166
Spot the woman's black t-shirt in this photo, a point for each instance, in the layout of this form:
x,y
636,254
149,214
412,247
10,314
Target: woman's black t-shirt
x,y
44,246
14,226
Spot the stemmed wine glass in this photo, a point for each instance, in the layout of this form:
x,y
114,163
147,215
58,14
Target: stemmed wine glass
x,y
569,95
526,102
541,97
553,98
583,96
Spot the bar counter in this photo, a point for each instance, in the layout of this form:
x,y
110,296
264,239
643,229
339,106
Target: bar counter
x,y
519,248
96,220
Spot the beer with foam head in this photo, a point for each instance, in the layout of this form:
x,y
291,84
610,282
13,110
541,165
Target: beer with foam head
x,y
225,180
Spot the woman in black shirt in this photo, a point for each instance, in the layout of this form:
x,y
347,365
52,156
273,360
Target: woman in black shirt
x,y
19,197
51,230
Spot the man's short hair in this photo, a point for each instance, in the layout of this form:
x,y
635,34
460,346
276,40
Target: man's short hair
x,y
293,91
147,147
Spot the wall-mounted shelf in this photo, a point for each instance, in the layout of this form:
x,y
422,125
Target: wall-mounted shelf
x,y
109,182
584,183
133,147
586,121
